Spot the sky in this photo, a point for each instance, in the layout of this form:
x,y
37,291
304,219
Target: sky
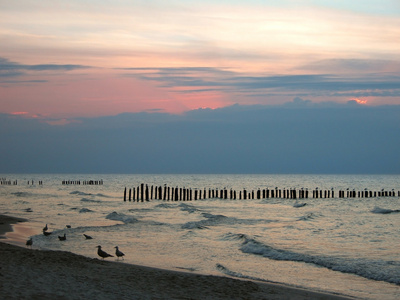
x,y
64,64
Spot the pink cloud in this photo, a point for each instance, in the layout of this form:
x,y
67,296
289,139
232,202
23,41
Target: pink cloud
x,y
19,113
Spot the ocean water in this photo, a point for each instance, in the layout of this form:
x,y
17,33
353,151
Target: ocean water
x,y
345,245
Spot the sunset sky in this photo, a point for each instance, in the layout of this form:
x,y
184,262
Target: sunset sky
x,y
69,59
285,86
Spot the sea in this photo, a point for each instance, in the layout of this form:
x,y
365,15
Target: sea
x,y
342,245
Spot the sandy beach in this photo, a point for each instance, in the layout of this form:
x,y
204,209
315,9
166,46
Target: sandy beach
x,y
39,274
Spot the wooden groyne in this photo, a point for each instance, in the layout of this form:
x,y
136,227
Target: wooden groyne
x,y
5,181
145,192
82,182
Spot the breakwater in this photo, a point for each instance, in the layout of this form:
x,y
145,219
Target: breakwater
x,y
5,181
82,182
145,192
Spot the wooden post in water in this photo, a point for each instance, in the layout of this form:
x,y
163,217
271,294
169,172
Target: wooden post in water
x,y
159,193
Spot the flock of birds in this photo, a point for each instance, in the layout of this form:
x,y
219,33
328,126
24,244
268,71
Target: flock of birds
x,y
100,252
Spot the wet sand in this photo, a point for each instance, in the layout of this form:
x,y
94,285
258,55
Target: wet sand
x,y
40,274
6,223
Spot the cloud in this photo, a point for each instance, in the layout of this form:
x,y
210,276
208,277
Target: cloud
x,y
13,69
221,79
355,66
298,137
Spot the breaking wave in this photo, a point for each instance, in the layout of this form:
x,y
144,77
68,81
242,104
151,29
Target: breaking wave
x,y
85,210
211,220
90,200
79,193
378,210
231,273
121,217
381,270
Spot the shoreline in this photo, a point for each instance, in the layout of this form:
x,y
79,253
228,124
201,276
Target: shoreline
x,y
46,274
7,222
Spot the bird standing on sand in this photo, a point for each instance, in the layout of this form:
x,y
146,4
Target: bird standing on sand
x,y
45,228
62,238
102,253
88,237
29,243
118,253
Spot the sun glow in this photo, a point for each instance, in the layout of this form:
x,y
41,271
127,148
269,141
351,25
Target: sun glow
x,y
19,113
360,101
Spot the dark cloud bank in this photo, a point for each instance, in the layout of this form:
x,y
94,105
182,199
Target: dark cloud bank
x,y
298,137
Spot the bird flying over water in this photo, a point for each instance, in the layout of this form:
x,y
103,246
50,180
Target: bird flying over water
x,y
102,253
88,237
62,238
29,243
118,253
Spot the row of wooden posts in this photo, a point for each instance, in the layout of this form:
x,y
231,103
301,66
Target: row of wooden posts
x,y
84,182
5,181
15,182
144,192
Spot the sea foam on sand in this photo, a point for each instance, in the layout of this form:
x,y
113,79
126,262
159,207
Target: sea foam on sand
x,y
41,274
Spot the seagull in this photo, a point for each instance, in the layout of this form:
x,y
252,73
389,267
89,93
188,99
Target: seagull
x,y
45,228
88,237
62,238
102,253
29,243
46,233
118,253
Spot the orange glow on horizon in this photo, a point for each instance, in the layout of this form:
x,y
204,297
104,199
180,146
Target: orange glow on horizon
x,y
19,113
360,101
